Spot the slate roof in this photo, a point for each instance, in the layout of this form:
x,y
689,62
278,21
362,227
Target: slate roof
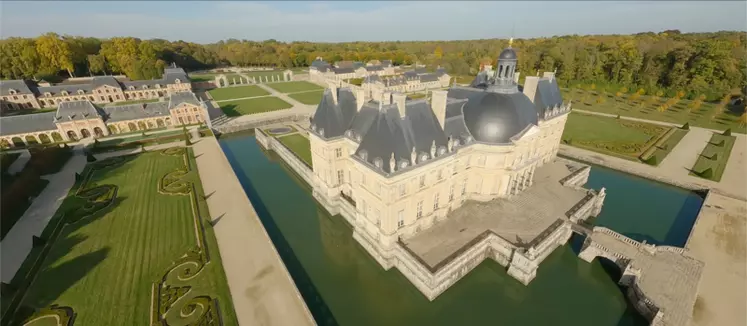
x,y
20,86
386,63
547,95
26,123
372,79
170,75
72,89
105,80
77,110
334,118
343,70
428,78
182,97
374,68
135,111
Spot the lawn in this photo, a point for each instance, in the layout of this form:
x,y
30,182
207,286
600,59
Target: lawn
x,y
228,93
230,75
309,98
415,96
714,157
130,220
296,86
299,145
253,105
646,108
620,138
664,149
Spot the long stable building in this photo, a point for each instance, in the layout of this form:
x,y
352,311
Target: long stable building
x,y
435,186
25,94
81,119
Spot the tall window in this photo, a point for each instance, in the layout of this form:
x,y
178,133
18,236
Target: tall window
x,y
454,168
422,181
363,207
338,152
464,187
402,189
420,209
435,201
340,177
363,178
451,193
376,216
401,219
440,174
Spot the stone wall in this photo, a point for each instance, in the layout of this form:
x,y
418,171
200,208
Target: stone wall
x,y
295,163
252,124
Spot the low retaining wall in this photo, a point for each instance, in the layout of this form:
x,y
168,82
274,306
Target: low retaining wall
x,y
295,163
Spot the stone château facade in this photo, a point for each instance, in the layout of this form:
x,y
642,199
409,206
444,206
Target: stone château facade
x,y
435,186
81,119
25,94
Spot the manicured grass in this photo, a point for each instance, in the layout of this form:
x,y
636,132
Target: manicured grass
x,y
646,108
292,87
714,156
299,145
211,77
415,96
137,136
153,100
620,138
104,265
253,105
309,98
228,93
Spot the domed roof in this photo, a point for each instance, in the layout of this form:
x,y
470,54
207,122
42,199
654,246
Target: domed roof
x,y
496,117
507,54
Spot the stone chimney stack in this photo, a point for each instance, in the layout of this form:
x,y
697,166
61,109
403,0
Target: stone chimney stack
x,y
360,98
386,98
438,105
549,74
400,100
333,88
530,86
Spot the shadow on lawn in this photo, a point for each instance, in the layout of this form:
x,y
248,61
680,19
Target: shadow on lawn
x,y
230,110
53,278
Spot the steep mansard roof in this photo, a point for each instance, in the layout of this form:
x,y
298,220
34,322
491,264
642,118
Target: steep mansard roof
x,y
547,95
21,124
331,120
20,86
136,111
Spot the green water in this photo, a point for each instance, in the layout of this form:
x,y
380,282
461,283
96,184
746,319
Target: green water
x,y
343,285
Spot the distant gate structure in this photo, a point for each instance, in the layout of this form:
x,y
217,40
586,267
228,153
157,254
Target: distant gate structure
x,y
221,81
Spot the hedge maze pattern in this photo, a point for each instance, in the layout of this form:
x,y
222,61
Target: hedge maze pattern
x,y
63,316
174,301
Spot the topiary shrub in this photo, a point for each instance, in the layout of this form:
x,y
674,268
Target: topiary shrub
x,y
714,157
686,126
653,160
727,132
37,241
618,116
719,144
90,157
707,173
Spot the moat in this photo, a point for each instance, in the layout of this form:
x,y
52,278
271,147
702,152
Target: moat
x,y
343,285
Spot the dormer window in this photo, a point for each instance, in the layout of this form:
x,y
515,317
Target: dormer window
x,y
178,81
145,86
13,92
423,157
378,162
158,85
81,92
47,94
132,88
64,93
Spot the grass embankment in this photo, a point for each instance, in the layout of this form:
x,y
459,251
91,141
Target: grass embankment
x,y
228,93
251,106
620,138
712,161
299,145
294,87
134,222
683,111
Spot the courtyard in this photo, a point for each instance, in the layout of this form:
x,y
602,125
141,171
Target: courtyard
x,y
228,93
294,87
112,252
308,98
234,108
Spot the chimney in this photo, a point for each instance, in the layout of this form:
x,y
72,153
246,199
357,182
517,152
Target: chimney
x,y
400,100
360,98
530,86
333,89
548,74
438,105
386,98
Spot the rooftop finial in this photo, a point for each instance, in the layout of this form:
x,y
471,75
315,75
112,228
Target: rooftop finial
x,y
510,42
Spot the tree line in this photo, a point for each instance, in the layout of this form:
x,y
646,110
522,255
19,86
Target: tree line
x,y
710,64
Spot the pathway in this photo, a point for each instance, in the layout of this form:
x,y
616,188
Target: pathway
x,y
284,97
253,97
20,162
262,290
19,240
683,156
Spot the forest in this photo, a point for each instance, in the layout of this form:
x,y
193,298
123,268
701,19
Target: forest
x,y
696,64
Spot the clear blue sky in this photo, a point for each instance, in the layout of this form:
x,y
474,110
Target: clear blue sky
x,y
336,21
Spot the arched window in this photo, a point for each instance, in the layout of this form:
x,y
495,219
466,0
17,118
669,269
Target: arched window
x,y
177,81
64,93
145,86
12,92
500,70
80,91
132,88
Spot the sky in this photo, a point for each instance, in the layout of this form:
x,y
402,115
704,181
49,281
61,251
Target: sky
x,y
339,21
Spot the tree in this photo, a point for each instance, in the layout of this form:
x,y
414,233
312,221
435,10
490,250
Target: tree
x,y
96,64
55,53
743,119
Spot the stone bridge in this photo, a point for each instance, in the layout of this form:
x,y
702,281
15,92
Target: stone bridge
x,y
662,281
